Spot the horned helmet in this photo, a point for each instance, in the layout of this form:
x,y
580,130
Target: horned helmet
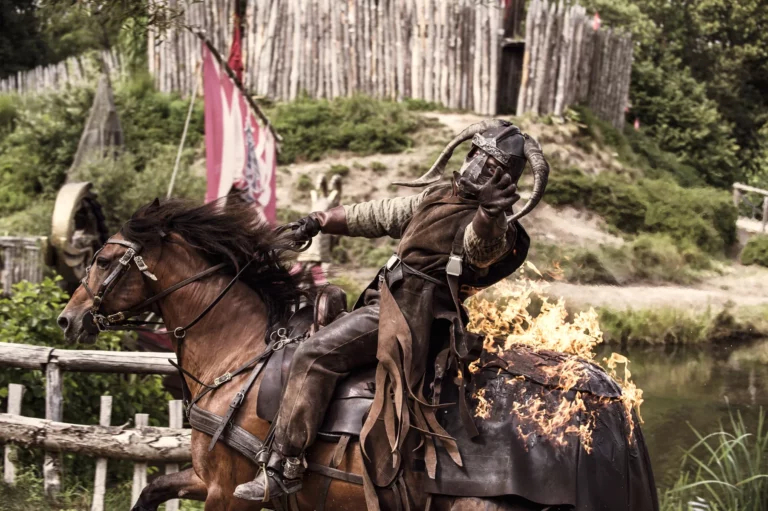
x,y
502,141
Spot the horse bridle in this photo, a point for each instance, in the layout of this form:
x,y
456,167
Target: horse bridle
x,y
96,321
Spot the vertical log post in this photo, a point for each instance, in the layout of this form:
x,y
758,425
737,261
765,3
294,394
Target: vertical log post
x,y
15,395
175,420
139,469
765,212
100,479
54,409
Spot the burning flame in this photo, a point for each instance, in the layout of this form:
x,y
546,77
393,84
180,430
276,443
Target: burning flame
x,y
502,315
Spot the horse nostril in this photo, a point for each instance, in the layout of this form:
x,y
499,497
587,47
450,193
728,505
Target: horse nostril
x,y
63,322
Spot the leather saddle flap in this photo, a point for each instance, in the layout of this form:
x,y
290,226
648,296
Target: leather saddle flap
x,y
351,400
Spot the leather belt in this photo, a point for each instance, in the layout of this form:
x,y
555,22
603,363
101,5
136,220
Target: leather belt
x,y
396,268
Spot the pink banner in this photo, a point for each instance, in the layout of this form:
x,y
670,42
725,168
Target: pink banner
x,y
240,152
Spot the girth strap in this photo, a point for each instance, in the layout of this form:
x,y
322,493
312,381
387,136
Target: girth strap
x,y
250,445
338,457
237,401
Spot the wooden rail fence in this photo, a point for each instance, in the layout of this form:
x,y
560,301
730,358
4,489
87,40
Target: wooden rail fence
x,y
141,444
759,211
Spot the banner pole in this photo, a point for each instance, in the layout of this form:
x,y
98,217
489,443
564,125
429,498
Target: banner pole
x,y
184,133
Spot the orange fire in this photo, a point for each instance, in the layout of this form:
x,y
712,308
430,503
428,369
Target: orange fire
x,y
505,315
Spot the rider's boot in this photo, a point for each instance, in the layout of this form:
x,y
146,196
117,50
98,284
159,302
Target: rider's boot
x,y
280,476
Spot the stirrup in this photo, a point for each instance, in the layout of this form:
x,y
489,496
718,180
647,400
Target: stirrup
x,y
277,478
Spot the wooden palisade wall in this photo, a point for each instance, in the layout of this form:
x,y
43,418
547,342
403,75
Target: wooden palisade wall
x,y
568,61
72,71
447,51
444,51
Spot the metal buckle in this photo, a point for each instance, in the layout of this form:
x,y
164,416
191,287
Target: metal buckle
x,y
221,380
237,400
113,318
126,259
392,262
454,265
143,268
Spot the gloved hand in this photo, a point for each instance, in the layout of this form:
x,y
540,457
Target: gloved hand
x,y
304,229
496,196
333,221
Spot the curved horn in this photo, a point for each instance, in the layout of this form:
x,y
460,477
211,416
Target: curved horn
x,y
540,169
435,173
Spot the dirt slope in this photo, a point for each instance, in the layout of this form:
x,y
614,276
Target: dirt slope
x,y
739,285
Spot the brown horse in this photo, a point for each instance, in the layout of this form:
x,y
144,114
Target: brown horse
x,y
178,241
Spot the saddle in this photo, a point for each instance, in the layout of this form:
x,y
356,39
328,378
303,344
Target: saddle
x,y
354,394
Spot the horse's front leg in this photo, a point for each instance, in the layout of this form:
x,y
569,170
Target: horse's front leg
x,y
185,484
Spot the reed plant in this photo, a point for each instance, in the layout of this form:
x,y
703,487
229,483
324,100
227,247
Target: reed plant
x,y
726,470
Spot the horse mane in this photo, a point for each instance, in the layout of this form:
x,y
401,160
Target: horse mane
x,y
224,232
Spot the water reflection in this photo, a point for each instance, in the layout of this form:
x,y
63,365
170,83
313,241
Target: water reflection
x,y
695,385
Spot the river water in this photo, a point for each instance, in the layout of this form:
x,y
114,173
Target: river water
x,y
694,386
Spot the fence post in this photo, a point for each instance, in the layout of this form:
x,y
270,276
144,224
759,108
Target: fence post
x,y
765,212
736,196
175,420
15,395
139,469
54,408
100,479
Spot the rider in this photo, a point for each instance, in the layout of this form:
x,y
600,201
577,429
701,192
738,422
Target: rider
x,y
455,237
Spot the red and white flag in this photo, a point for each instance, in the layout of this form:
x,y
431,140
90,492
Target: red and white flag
x,y
239,151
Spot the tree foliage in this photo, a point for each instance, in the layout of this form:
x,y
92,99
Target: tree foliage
x,y
698,81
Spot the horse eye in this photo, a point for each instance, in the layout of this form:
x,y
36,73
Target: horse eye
x,y
102,262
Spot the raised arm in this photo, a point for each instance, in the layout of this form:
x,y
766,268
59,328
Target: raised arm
x,y
383,217
372,219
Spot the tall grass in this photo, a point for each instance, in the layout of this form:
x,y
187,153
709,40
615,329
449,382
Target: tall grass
x,y
724,471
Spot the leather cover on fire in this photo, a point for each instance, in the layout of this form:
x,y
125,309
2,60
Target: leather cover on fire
x,y
510,457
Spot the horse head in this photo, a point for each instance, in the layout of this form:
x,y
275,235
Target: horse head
x,y
167,246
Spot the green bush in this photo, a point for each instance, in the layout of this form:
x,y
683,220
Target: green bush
x,y
35,156
756,251
8,112
28,316
341,170
313,127
152,119
35,220
363,251
703,217
650,258
122,189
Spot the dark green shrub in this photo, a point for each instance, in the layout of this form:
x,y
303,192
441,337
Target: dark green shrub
x,y
421,105
756,251
152,119
122,189
703,217
35,156
377,166
28,316
341,170
312,127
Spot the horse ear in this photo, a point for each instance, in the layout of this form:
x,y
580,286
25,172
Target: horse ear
x,y
155,204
